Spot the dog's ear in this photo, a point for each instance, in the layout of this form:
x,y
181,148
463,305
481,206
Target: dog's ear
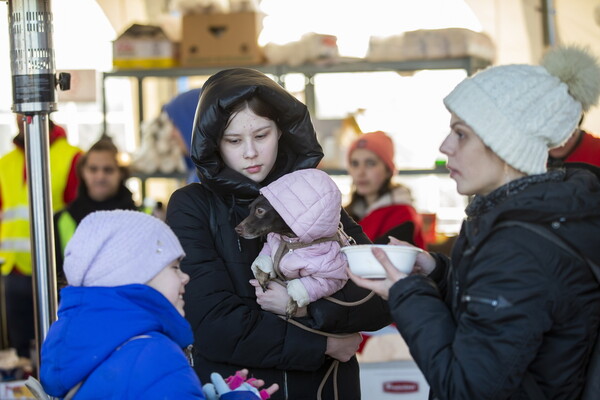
x,y
263,219
260,207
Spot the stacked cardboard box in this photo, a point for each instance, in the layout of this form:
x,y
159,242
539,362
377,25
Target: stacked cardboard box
x,y
221,39
144,46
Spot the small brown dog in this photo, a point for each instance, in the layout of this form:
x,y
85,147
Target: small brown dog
x,y
300,215
264,219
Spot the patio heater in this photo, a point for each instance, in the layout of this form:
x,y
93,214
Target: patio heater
x,y
34,96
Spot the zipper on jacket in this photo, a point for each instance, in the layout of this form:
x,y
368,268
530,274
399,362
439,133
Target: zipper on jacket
x,y
285,386
189,353
500,302
456,293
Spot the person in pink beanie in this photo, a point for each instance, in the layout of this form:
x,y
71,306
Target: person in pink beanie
x,y
382,207
121,331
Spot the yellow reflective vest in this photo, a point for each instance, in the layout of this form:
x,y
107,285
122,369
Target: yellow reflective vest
x,y
65,228
15,247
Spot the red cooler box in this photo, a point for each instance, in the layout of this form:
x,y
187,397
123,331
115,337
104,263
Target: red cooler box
x,y
401,380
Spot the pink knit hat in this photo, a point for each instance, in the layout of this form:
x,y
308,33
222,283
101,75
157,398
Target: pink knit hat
x,y
115,248
379,143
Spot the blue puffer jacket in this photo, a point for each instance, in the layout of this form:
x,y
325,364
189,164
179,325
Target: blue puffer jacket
x,y
90,342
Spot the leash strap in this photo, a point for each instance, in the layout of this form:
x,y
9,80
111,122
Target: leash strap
x,y
343,239
284,247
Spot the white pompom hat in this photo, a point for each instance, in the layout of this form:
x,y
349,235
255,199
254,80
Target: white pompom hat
x,y
522,111
119,247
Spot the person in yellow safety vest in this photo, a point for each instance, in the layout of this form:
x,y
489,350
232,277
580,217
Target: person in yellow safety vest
x,y
15,247
102,187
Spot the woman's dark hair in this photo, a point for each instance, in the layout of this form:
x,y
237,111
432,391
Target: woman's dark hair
x,y
104,144
258,107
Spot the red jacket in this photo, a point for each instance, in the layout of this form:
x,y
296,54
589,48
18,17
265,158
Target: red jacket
x,y
390,215
586,151
381,222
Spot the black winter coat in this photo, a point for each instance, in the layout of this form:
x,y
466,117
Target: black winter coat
x,y
510,302
231,330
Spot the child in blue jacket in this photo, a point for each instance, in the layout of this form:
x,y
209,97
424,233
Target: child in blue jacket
x,y
120,332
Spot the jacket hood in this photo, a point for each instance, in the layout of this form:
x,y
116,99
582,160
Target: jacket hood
x,y
565,201
309,201
298,145
94,321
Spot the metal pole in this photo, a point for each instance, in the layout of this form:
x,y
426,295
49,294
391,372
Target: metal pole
x,y
34,95
37,147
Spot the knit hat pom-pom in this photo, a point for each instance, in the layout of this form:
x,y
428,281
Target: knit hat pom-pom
x,y
578,69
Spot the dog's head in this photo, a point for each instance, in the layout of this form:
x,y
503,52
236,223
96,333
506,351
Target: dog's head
x,y
263,219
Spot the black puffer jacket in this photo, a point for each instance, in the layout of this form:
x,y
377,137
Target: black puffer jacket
x,y
231,331
511,301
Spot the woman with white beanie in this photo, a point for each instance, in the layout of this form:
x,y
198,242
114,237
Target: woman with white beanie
x,y
121,330
511,315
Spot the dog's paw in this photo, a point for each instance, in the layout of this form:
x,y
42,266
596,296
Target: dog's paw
x,y
298,292
291,309
263,279
264,264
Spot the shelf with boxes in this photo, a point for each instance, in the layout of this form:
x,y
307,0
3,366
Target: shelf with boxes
x,y
469,64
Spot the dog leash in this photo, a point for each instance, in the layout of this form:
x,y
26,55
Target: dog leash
x,y
343,239
335,363
286,247
350,303
340,237
333,368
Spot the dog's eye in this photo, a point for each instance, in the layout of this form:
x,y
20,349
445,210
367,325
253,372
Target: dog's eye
x,y
259,211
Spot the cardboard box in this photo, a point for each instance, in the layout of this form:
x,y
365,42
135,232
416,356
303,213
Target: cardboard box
x,y
392,380
221,39
144,46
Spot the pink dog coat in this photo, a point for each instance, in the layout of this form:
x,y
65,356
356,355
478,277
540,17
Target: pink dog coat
x,y
309,201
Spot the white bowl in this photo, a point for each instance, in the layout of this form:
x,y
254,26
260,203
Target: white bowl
x,y
363,263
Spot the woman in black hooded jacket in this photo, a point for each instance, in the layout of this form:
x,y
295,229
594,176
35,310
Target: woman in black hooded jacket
x,y
231,329
512,315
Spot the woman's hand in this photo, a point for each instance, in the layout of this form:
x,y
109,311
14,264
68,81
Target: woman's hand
x,y
275,299
424,263
343,349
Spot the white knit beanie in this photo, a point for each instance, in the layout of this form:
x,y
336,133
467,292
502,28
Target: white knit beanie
x,y
114,248
522,111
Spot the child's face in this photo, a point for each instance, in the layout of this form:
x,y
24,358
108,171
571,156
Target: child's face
x,y
171,283
249,145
